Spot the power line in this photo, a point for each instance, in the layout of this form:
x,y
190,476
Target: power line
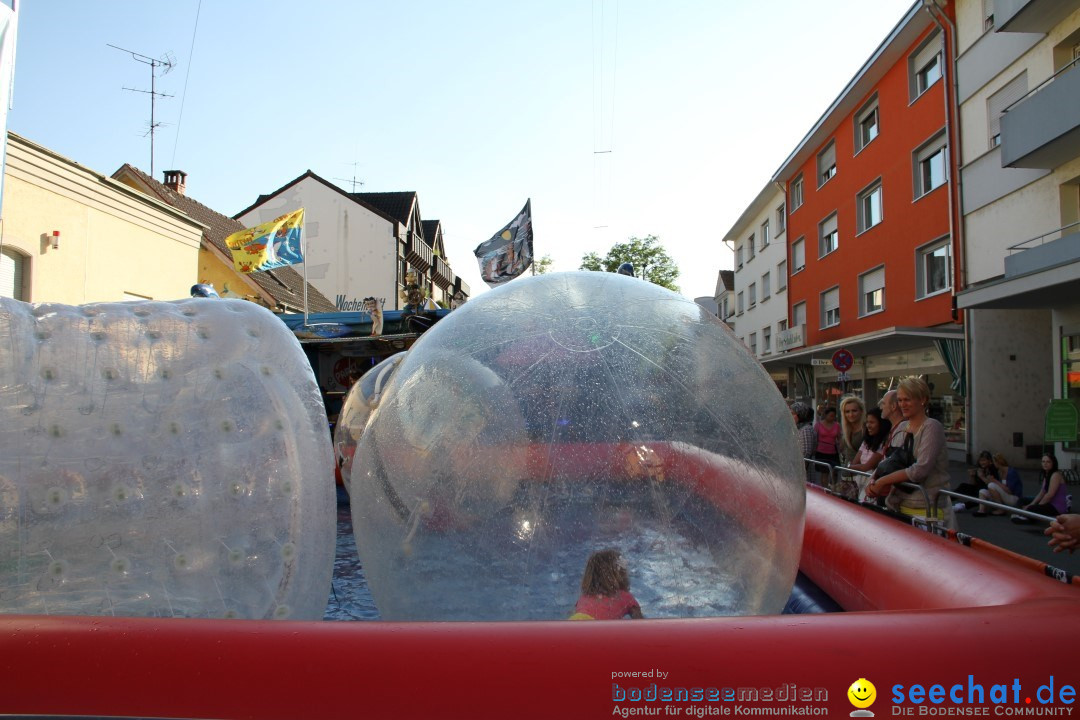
x,y
187,74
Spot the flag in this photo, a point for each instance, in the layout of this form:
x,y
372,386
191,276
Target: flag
x,y
270,245
9,25
510,252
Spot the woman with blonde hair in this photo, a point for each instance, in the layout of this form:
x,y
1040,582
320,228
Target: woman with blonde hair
x,y
852,418
930,468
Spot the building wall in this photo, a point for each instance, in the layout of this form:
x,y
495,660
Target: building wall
x,y
907,223
115,243
1011,380
351,252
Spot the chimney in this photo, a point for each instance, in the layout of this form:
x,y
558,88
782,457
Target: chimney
x,y
176,180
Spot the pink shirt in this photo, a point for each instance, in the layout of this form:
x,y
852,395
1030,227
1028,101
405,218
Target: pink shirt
x,y
602,607
826,438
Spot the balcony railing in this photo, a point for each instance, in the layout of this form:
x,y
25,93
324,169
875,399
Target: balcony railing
x,y
418,252
443,275
1042,129
463,286
1042,252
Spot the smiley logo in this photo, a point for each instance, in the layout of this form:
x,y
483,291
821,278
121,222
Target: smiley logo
x,y
862,693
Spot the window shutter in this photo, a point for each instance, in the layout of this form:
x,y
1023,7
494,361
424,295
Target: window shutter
x,y
1003,98
874,280
11,274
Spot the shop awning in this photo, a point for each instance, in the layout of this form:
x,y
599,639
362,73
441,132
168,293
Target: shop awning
x,y
881,342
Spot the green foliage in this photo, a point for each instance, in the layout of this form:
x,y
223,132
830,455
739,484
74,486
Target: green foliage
x,y
543,265
649,258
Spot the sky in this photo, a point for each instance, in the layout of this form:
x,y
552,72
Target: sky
x,y
617,118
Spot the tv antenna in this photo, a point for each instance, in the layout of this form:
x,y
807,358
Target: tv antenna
x,y
354,181
167,62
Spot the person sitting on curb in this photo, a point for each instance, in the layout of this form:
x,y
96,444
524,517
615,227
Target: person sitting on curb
x,y
1004,492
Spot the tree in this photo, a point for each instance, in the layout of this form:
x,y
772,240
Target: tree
x,y
649,258
543,265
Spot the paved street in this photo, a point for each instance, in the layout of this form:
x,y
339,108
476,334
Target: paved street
x,y
1024,539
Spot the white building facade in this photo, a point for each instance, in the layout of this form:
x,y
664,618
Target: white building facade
x,y
759,240
1018,91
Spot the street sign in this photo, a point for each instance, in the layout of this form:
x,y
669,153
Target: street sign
x,y
843,377
843,360
1061,421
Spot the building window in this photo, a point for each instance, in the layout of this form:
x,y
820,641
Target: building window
x,y
766,340
781,275
798,315
830,308
866,124
872,291
798,255
739,302
724,313
750,251
766,286
924,65
781,219
752,292
988,15
738,257
826,163
781,326
868,207
932,268
753,342
14,269
796,193
997,103
764,234
828,236
930,165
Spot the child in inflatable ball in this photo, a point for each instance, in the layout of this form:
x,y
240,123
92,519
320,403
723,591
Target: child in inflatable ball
x,y
605,589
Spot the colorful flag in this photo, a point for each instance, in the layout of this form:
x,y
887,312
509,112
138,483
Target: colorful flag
x,y
270,245
510,252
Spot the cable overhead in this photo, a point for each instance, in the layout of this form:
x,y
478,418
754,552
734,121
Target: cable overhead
x,y
187,74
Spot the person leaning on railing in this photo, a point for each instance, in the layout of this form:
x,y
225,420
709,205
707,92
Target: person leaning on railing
x,y
931,466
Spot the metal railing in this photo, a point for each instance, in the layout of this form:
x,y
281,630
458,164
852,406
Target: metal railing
x,y
1041,85
1019,247
932,505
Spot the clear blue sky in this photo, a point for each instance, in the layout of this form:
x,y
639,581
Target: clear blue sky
x,y
476,105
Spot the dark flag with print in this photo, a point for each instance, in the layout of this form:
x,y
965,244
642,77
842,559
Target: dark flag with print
x,y
510,252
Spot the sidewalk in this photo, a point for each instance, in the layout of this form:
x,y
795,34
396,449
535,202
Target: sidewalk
x,y
1023,539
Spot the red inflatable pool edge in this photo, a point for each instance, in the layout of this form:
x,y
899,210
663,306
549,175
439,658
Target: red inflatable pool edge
x,y
265,669
946,615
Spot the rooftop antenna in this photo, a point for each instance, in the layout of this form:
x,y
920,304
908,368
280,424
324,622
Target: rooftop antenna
x,y
167,62
354,181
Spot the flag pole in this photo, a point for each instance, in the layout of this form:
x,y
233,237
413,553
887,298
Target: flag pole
x,y
303,240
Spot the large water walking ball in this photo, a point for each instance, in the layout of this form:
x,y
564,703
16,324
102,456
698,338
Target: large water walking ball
x,y
567,413
161,459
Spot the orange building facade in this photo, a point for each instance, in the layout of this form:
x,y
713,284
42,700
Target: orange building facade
x,y
870,229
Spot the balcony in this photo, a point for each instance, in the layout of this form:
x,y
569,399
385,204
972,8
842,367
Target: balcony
x,y
1031,16
1042,129
418,253
1055,248
443,275
462,286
